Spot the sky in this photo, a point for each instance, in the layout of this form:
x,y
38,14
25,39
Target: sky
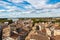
x,y
29,8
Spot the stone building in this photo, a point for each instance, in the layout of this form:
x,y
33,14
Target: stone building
x,y
6,31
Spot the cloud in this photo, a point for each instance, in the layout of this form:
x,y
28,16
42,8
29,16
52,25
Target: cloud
x,y
38,8
15,6
38,4
16,1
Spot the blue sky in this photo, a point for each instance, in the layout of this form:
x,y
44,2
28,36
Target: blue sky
x,y
53,1
29,8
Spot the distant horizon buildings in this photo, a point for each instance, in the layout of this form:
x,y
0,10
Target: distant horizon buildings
x,y
13,19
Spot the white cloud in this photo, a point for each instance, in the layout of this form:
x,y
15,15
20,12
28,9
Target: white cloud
x,y
13,8
53,6
38,4
48,10
8,7
16,1
2,10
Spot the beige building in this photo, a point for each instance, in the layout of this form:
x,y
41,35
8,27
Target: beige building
x,y
6,31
